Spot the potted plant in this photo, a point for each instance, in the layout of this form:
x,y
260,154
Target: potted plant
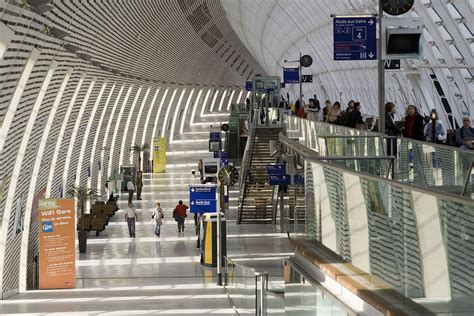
x,y
82,195
139,149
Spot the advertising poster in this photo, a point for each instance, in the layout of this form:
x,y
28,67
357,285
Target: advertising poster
x,y
159,155
57,253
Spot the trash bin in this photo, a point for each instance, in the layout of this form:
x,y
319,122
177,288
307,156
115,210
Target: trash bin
x,y
208,239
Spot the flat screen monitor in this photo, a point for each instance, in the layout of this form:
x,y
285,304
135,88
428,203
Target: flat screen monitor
x,y
402,44
210,167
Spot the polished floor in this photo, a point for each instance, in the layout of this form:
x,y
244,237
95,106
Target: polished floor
x,y
145,276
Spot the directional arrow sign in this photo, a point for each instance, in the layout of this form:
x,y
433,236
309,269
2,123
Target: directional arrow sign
x,y
202,198
355,38
279,169
279,179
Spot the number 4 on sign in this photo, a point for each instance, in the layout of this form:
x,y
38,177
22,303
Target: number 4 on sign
x,y
359,35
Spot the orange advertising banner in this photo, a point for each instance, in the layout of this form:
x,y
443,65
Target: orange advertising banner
x,y
57,241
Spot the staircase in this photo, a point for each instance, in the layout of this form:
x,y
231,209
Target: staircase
x,y
255,206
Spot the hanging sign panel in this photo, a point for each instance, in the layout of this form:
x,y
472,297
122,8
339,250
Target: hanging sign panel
x,y
57,244
202,198
355,38
159,155
291,75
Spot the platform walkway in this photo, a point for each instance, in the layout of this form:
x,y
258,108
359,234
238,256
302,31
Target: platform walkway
x,y
145,276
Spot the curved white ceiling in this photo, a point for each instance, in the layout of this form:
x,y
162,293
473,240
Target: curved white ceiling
x,y
278,30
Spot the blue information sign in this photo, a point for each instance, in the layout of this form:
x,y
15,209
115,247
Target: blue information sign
x,y
298,180
221,154
248,85
215,136
291,75
279,179
224,162
355,38
279,169
202,199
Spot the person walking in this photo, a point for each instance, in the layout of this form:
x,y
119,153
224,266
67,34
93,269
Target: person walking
x,y
179,213
130,217
157,218
131,189
139,185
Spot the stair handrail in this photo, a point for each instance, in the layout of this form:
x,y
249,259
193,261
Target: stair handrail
x,y
247,161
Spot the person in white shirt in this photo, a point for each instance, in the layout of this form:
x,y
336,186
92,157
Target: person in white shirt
x,y
157,218
130,217
131,189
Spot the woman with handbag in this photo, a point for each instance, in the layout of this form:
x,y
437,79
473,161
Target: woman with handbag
x,y
157,218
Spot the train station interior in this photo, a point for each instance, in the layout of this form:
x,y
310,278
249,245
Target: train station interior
x,y
237,157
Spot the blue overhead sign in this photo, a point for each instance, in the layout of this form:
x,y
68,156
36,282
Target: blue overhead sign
x,y
215,136
202,198
291,75
279,179
298,180
248,85
355,38
279,169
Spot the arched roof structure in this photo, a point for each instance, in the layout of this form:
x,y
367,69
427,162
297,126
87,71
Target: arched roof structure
x,y
81,81
278,30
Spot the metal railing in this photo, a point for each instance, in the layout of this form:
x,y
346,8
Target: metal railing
x,y
247,161
246,288
417,163
403,233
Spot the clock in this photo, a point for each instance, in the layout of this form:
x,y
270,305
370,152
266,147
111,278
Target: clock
x,y
397,7
228,175
306,61
225,127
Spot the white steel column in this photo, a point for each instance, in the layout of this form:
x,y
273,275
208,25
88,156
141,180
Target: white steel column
x,y
196,105
75,130
135,129
17,168
106,137
117,125
163,127
127,125
57,148
147,120
157,119
16,98
86,136
203,105
96,137
176,114
34,177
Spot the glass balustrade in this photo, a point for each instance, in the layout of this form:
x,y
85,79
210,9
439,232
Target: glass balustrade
x,y
421,164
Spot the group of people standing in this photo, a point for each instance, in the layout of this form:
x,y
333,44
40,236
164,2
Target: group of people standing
x,y
414,125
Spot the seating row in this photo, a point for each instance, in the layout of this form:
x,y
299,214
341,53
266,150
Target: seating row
x,y
99,216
